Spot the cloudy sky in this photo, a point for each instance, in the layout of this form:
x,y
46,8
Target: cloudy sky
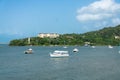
x,y
26,18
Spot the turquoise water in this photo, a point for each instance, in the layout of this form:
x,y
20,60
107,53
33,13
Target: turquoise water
x,y
100,63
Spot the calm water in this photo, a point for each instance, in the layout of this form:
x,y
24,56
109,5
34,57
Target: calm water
x,y
100,63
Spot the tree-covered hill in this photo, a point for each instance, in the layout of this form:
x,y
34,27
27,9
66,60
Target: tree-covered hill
x,y
105,36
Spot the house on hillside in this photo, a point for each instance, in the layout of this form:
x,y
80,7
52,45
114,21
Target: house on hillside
x,y
117,37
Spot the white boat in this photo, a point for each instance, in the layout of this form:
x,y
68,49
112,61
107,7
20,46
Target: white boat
x,y
58,53
65,47
75,50
93,46
109,46
29,51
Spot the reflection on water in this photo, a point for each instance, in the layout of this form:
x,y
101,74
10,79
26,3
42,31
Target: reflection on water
x,y
59,62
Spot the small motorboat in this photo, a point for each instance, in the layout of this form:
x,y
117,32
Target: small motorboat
x,y
29,51
65,47
109,46
93,46
58,53
75,50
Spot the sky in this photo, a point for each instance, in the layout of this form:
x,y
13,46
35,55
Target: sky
x,y
27,18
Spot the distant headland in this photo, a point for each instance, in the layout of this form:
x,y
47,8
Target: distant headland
x,y
105,36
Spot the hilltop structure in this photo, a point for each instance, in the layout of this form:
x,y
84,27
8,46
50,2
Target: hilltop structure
x,y
50,35
105,36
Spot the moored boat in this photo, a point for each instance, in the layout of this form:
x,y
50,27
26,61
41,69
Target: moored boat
x,y
29,51
93,46
109,46
58,53
75,50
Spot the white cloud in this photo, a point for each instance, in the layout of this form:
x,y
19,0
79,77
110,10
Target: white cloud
x,y
87,17
100,11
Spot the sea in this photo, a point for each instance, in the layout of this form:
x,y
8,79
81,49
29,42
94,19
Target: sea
x,y
99,63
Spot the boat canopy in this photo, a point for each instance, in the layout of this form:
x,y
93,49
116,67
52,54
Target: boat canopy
x,y
57,51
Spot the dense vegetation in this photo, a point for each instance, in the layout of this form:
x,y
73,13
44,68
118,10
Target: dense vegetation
x,y
104,36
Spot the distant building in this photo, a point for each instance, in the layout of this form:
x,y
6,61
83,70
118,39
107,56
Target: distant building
x,y
117,37
50,35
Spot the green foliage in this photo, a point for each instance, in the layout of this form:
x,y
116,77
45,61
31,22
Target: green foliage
x,y
104,36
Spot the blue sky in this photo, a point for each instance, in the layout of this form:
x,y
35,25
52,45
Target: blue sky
x,y
27,18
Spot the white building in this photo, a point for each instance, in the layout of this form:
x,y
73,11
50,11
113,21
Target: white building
x,y
50,35
117,37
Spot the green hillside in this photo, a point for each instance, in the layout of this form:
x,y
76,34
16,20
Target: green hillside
x,y
105,36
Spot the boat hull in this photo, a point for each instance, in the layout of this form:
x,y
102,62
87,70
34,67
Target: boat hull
x,y
59,55
28,52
